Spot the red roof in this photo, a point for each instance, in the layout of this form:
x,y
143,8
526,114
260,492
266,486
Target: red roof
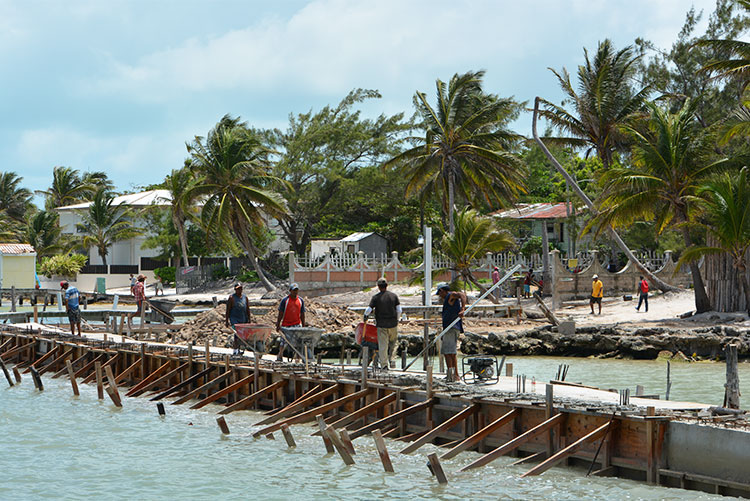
x,y
16,249
542,210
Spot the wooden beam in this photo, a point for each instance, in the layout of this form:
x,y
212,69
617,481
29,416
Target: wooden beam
x,y
393,418
218,379
56,361
71,374
300,404
437,469
382,450
99,381
5,371
222,425
365,411
148,379
481,434
183,384
567,451
310,415
112,384
111,360
516,442
44,357
339,445
121,376
229,389
324,433
448,424
16,350
290,407
153,384
83,370
73,363
539,456
248,400
288,436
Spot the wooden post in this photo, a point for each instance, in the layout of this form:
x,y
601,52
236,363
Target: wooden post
x,y
114,396
548,411
17,374
324,433
36,314
339,445
13,298
346,441
256,372
650,470
429,382
5,371
111,378
382,450
223,425
144,370
509,369
732,386
288,435
37,379
71,375
365,362
160,409
426,342
437,469
99,381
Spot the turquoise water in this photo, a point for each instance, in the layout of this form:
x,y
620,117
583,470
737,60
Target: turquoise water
x,y
57,446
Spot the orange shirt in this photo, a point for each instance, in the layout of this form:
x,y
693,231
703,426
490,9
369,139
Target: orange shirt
x,y
292,309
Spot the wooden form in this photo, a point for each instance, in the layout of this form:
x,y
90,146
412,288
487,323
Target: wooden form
x,y
379,424
190,395
567,451
109,362
448,424
229,389
73,363
56,362
43,358
364,411
184,384
477,437
382,451
250,399
300,403
158,379
71,375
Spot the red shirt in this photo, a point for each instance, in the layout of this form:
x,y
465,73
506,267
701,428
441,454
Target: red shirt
x,y
644,286
138,292
292,309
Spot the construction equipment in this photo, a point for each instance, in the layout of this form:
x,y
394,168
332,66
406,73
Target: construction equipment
x,y
483,369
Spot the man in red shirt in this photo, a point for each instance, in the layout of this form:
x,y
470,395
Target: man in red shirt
x,y
139,292
291,314
642,294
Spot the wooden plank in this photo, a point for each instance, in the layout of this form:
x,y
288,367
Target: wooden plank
x,y
18,349
99,381
229,389
73,363
567,451
56,361
393,418
153,384
308,393
301,403
448,424
481,434
437,469
310,415
121,376
346,440
364,411
382,450
539,456
83,370
17,375
248,400
183,384
516,442
71,375
340,446
218,379
324,433
222,425
5,371
288,436
112,384
43,358
148,379
111,360
114,396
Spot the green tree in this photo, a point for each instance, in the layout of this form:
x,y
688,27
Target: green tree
x,y
180,184
672,156
97,179
725,202
236,184
15,200
321,150
104,224
43,232
467,150
67,188
473,237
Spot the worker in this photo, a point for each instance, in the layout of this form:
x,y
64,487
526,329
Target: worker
x,y
642,294
238,312
597,292
133,281
72,306
139,292
496,279
387,313
454,305
291,314
528,279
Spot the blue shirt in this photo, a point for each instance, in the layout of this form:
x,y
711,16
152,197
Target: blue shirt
x,y
238,313
450,313
71,297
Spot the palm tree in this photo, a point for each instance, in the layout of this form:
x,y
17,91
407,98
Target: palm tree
x,y
67,188
97,179
43,232
234,178
466,150
725,202
180,184
672,156
605,101
104,224
472,238
14,200
736,60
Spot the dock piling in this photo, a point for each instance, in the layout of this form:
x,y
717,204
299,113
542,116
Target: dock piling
x,y
288,436
99,381
436,468
324,433
222,425
5,371
160,409
71,375
377,435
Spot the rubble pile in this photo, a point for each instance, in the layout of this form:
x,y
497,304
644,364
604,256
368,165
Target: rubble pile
x,y
206,325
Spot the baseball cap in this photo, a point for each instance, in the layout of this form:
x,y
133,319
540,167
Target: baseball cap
x,y
293,286
444,287
382,281
63,283
238,285
595,277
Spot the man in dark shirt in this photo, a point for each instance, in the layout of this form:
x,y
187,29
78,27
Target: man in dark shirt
x,y
387,312
454,304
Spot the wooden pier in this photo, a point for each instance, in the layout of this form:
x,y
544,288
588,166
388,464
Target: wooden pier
x,y
642,443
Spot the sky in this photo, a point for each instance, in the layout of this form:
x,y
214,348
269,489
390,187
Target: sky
x,y
121,86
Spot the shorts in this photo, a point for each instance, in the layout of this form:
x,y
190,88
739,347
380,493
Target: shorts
x,y
596,300
526,288
74,316
139,308
450,342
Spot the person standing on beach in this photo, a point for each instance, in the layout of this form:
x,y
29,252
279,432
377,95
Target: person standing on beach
x,y
387,312
291,314
642,294
527,283
238,312
139,292
597,293
133,281
454,304
496,279
72,306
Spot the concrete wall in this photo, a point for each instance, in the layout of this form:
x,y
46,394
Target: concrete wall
x,y
18,271
374,245
87,282
704,450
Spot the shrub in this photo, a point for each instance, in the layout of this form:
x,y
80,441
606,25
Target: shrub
x,y
247,276
532,246
66,265
166,273
220,272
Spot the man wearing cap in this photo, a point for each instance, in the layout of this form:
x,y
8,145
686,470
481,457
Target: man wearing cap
x,y
454,304
597,292
387,312
72,306
291,314
238,312
139,292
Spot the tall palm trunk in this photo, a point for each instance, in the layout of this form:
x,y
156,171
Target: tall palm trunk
x,y
451,201
742,272
182,235
702,303
663,286
469,276
252,253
